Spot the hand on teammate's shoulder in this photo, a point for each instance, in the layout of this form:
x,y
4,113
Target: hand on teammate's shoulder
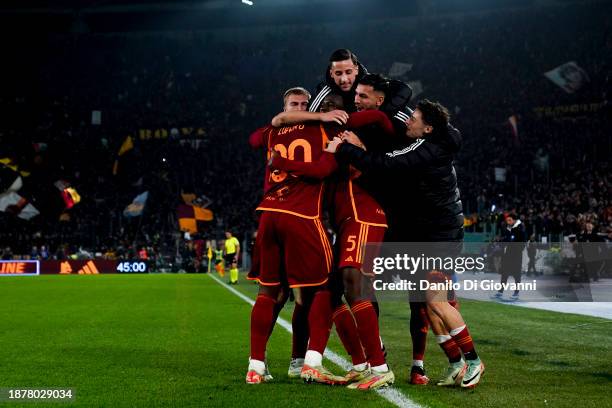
x,y
338,116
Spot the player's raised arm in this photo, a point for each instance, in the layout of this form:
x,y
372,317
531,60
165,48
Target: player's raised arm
x,y
432,140
424,153
370,117
289,118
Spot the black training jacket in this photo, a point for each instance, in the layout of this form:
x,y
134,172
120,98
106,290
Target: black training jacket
x,y
418,186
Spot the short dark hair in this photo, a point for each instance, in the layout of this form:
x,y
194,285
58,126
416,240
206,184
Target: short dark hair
x,y
376,81
331,102
434,114
342,54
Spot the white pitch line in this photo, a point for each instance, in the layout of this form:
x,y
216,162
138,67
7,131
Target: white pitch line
x,y
392,395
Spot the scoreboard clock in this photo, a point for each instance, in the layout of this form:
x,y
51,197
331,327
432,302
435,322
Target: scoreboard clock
x,y
132,267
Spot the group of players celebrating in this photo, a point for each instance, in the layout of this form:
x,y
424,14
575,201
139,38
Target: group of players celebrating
x,y
341,160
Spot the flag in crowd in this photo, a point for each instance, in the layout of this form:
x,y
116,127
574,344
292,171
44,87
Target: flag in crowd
x,y
190,215
137,206
69,194
126,146
13,203
569,76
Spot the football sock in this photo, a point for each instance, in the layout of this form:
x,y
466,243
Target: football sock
x,y
234,275
450,348
277,309
299,323
257,365
367,325
462,337
313,358
262,320
320,321
383,368
419,326
347,331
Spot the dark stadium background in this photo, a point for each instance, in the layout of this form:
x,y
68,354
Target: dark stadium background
x,y
189,81
221,66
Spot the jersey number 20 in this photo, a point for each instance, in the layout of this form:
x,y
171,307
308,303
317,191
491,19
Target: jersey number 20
x,y
289,153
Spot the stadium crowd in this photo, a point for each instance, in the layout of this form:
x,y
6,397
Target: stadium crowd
x,y
209,92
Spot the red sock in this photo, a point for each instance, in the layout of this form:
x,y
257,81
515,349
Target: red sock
x,y
320,321
367,324
347,331
451,350
262,321
465,343
299,323
419,326
277,309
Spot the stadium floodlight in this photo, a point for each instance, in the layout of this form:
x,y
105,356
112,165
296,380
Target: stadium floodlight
x,y
247,2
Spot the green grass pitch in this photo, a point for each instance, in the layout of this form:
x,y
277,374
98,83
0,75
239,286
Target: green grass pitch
x,y
182,341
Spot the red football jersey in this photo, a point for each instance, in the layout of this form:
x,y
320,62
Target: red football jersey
x,y
287,192
351,200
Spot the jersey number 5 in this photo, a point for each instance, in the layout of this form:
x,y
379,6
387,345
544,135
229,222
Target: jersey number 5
x,y
351,240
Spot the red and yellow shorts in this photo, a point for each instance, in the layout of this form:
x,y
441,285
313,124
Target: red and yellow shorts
x,y
290,249
353,236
